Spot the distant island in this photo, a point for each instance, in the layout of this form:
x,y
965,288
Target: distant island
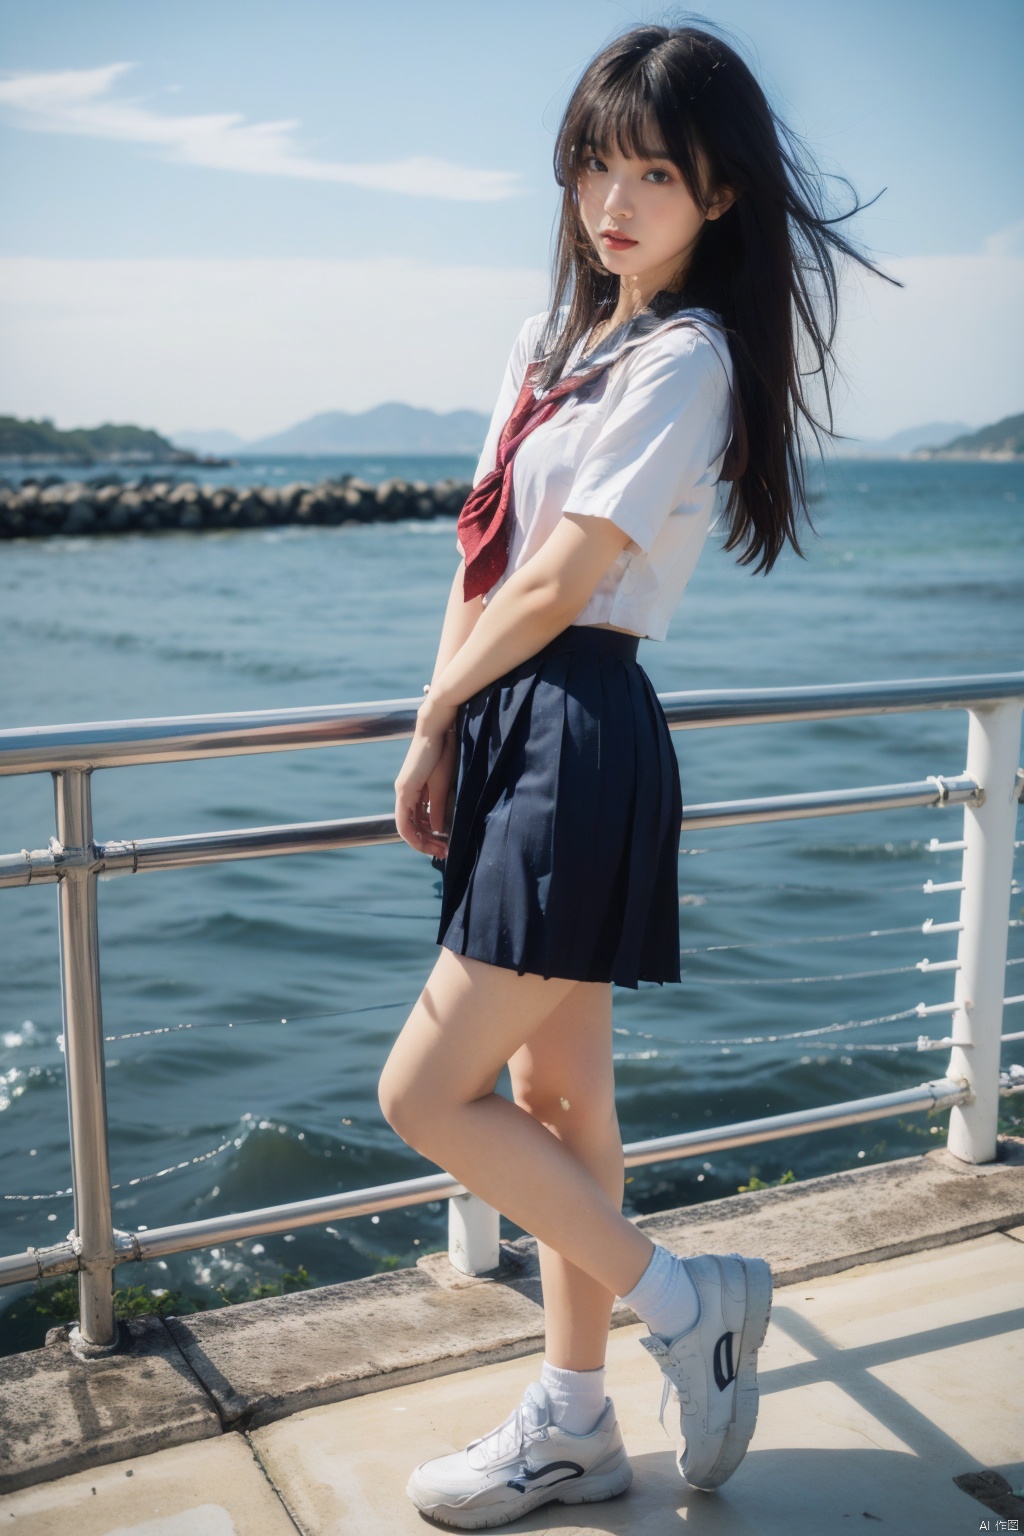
x,y
40,442
389,428
900,445
1003,440
394,428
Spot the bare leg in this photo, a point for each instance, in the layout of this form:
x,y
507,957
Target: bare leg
x,y
563,1076
437,1091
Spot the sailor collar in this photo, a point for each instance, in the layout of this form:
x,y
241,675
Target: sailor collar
x,y
665,311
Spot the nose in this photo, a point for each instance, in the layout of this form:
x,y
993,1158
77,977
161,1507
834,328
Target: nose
x,y
617,205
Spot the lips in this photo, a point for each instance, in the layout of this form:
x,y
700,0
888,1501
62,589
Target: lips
x,y
617,242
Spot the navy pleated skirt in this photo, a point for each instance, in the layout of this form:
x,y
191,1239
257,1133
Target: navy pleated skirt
x,y
564,846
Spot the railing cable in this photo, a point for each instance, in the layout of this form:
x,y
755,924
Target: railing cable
x,y
796,1035
733,1042
337,1013
291,1018
143,1178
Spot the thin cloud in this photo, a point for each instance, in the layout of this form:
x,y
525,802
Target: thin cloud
x,y
253,343
256,343
81,102
1006,242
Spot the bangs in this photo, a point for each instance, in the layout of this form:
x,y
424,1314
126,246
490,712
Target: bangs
x,y
638,114
629,125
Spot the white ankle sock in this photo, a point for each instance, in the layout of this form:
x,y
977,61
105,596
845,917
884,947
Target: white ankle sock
x,y
665,1297
577,1397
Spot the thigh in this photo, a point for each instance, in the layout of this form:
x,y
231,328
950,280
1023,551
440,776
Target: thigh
x,y
564,1071
468,1020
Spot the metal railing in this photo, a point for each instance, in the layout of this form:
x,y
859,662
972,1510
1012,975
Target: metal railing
x,y
989,790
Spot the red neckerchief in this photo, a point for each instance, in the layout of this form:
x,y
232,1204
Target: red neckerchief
x,y
485,522
487,517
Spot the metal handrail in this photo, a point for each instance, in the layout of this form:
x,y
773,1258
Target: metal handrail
x,y
988,790
158,1242
45,866
182,738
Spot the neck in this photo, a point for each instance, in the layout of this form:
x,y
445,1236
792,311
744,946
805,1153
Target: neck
x,y
635,293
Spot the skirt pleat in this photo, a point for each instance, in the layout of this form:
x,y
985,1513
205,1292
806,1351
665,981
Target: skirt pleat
x,y
563,849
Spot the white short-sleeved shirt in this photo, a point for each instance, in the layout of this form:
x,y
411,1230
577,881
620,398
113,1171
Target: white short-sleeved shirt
x,y
644,447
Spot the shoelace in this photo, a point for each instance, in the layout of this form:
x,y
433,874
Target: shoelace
x,y
669,1389
510,1436
666,1392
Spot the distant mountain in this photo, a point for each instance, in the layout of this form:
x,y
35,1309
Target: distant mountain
x,y
40,442
910,440
208,442
1003,440
390,428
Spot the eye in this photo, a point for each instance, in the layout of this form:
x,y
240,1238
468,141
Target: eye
x,y
592,163
659,172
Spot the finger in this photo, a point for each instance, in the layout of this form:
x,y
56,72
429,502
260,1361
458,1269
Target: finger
x,y
410,825
429,841
405,823
432,842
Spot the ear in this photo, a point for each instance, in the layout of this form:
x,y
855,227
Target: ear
x,y
722,202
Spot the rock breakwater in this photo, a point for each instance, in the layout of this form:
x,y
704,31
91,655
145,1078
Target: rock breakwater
x,y
48,507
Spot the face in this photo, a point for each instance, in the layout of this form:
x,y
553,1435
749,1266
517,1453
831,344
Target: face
x,y
641,217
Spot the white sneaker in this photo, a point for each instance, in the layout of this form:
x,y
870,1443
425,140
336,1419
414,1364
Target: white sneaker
x,y
712,1368
527,1461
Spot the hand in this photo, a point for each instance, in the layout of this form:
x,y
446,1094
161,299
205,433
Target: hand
x,y
423,785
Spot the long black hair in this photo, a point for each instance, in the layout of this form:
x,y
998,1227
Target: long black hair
x,y
757,265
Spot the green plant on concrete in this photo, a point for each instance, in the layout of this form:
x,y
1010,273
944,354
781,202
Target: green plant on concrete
x,y
258,1290
937,1126
140,1301
789,1177
56,1301
1011,1121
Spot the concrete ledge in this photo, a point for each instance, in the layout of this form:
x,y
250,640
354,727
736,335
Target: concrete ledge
x,y
263,1360
888,1394
59,1414
831,1223
249,1365
266,1359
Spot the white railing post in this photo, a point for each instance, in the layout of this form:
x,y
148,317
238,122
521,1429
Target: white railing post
x,y
473,1241
993,754
93,1236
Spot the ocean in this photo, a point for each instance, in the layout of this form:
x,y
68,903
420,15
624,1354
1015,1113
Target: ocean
x,y
249,1007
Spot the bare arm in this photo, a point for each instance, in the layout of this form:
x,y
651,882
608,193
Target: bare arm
x,y
533,605
459,620
479,644
658,441
424,821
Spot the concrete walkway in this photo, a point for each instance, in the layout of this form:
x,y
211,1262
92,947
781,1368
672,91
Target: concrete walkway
x,y
891,1393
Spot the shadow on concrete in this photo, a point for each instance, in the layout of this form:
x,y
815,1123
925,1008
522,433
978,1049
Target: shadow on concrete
x,y
852,1368
775,1493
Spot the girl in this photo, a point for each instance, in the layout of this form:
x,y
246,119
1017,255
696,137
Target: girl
x,y
687,235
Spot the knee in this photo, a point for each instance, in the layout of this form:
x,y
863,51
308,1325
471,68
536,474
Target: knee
x,y
572,1116
542,1103
401,1105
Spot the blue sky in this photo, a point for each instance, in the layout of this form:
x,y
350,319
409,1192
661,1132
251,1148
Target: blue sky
x,y
234,215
